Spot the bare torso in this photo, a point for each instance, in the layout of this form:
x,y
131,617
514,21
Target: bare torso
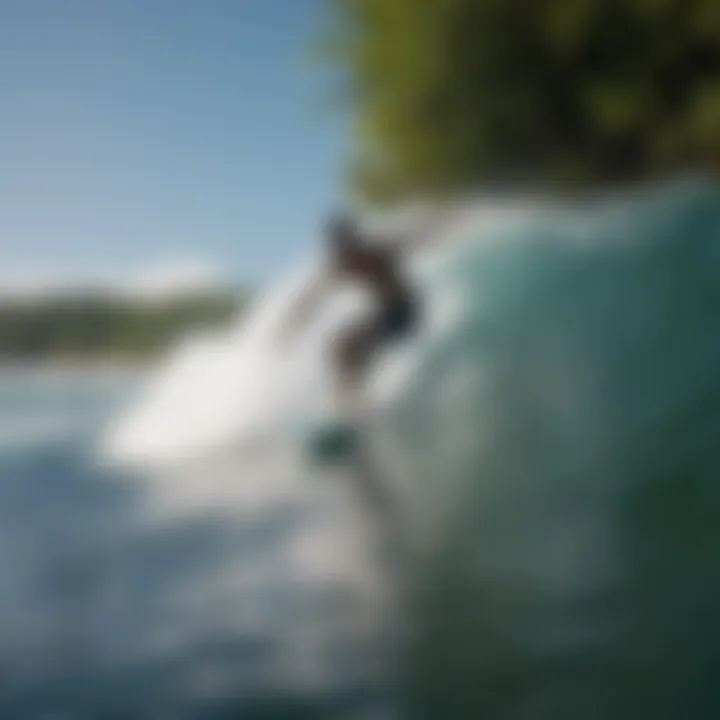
x,y
375,267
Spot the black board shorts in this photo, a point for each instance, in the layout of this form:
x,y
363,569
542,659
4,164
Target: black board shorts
x,y
397,319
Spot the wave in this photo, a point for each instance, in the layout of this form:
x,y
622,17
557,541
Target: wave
x,y
553,432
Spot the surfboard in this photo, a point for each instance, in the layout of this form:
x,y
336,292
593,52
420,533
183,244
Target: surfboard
x,y
334,442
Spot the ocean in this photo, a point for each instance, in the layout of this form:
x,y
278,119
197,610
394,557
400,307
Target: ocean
x,y
123,596
547,545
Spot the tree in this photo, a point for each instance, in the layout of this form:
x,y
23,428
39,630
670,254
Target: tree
x,y
88,325
454,93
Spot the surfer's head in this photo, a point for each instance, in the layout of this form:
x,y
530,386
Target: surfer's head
x,y
344,237
342,231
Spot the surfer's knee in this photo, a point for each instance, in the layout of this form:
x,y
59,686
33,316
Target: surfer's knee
x,y
351,349
346,353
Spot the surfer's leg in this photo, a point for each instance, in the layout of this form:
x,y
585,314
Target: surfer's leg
x,y
352,353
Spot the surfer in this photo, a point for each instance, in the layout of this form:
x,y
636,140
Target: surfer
x,y
375,263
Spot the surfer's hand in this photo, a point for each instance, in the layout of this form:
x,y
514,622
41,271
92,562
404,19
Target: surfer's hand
x,y
306,304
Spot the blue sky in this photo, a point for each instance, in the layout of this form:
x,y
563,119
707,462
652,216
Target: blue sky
x,y
137,135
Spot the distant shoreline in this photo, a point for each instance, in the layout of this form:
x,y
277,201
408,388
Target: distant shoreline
x,y
79,366
91,333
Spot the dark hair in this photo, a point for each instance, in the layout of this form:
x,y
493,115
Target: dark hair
x,y
341,231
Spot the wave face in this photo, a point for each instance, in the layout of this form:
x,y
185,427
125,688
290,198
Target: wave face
x,y
554,432
565,435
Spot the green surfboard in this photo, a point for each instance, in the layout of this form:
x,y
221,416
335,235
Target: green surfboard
x,y
334,443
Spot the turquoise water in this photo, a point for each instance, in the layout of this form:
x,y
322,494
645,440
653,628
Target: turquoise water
x,y
554,461
566,438
116,605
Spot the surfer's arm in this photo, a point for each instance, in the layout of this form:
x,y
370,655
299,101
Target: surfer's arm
x,y
306,304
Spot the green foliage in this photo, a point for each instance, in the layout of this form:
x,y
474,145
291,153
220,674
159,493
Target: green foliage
x,y
95,326
451,93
